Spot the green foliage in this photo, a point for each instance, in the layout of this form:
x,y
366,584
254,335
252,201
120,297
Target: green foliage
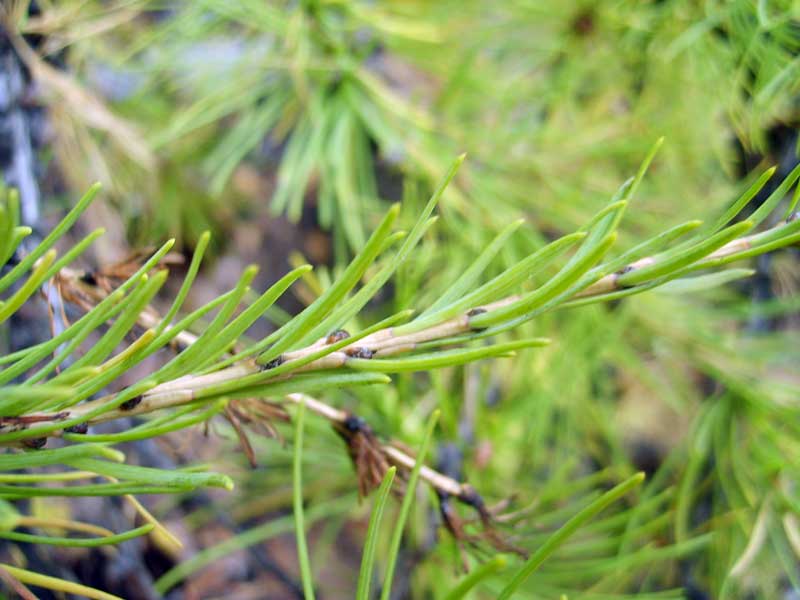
x,y
405,508
203,378
324,105
297,505
570,527
368,559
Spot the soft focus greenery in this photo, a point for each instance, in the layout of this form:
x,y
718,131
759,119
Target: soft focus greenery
x,y
326,112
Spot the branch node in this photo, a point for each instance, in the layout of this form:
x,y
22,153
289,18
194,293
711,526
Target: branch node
x,y
35,443
473,312
275,362
622,271
79,428
365,451
337,336
130,404
354,423
359,352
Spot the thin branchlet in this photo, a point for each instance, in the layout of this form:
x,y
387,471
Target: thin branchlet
x,y
372,459
381,343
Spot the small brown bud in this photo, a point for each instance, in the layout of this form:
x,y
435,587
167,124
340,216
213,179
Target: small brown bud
x,y
336,336
35,443
79,428
359,352
130,404
275,362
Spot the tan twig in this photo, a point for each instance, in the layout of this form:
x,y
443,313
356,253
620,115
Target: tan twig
x,y
385,342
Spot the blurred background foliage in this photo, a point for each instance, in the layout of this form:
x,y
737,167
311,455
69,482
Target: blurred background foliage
x,y
289,126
